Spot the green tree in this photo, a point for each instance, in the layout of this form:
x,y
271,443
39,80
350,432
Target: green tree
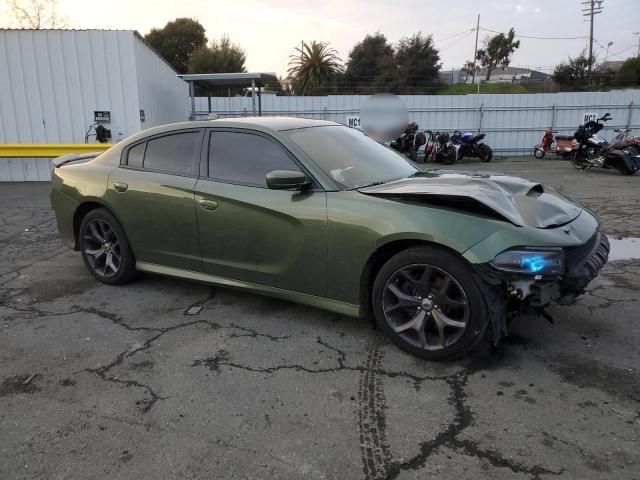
x,y
497,51
371,66
177,41
629,73
417,64
574,74
313,68
218,57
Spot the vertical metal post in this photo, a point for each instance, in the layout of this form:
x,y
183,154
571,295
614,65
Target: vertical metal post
x,y
253,97
629,115
209,101
193,101
475,52
481,115
259,101
553,116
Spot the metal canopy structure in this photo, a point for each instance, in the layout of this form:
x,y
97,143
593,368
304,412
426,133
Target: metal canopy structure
x,y
209,81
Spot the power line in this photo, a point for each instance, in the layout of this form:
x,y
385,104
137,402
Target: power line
x,y
622,51
453,36
457,41
535,37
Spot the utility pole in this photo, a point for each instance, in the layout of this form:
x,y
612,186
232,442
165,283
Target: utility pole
x,y
475,51
592,8
638,35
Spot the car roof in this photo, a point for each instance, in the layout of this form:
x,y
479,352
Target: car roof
x,y
278,124
274,123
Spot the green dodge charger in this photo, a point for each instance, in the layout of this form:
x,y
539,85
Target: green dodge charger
x,y
318,213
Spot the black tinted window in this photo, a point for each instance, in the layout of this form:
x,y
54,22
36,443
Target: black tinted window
x,y
134,158
245,158
173,153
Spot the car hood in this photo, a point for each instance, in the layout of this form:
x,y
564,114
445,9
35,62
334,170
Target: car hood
x,y
519,201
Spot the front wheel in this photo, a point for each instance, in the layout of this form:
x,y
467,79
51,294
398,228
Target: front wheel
x,y
484,152
538,153
578,160
105,248
450,155
428,303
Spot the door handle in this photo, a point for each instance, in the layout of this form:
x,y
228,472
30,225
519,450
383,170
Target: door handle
x,y
120,187
208,204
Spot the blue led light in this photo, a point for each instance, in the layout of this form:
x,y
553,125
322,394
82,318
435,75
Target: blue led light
x,y
534,263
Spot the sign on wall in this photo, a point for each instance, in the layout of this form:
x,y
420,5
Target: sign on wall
x,y
142,117
353,121
102,116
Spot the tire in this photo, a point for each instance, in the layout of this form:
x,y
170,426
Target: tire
x,y
105,249
449,156
484,152
578,160
399,289
538,153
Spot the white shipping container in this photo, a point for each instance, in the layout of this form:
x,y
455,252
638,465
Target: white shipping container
x,y
52,82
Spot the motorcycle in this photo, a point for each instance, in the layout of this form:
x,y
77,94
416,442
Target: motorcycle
x,y
410,141
441,149
595,151
472,145
564,145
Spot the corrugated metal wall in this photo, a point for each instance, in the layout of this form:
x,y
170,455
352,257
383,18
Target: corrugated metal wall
x,y
51,81
513,123
163,96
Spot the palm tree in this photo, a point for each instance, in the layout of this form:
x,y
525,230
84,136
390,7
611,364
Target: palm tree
x,y
313,66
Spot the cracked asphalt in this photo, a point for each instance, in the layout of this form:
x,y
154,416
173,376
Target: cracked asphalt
x,y
165,379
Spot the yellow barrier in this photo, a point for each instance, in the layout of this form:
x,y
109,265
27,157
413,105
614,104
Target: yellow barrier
x,y
49,150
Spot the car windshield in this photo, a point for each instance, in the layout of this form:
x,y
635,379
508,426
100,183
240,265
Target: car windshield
x,y
349,157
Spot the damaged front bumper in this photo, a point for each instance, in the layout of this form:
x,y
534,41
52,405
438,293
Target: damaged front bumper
x,y
510,293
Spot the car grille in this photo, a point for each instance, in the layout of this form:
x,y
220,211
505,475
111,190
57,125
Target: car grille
x,y
576,255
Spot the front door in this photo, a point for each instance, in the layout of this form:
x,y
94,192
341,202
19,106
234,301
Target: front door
x,y
152,193
251,233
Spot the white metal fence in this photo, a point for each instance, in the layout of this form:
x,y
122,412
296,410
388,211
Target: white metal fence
x,y
513,123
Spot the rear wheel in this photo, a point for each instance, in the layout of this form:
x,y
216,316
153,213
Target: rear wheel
x,y
538,153
105,248
484,152
427,302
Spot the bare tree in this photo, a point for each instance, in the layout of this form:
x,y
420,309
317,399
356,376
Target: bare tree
x,y
35,14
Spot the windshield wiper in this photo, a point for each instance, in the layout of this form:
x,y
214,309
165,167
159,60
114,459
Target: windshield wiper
x,y
370,184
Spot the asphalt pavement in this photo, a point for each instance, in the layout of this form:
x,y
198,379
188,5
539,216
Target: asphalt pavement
x,y
166,379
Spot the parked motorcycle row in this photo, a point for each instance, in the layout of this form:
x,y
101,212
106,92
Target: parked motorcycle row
x,y
442,147
586,149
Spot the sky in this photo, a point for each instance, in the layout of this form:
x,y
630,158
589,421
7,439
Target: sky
x,y
269,30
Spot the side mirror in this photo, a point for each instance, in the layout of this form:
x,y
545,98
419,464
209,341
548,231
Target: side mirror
x,y
286,179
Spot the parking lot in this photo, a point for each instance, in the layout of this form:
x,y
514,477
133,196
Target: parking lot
x,y
167,379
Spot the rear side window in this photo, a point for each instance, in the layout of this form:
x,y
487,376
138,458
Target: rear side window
x,y
135,155
171,153
245,158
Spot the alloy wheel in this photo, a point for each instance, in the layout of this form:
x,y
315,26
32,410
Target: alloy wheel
x,y
426,306
101,247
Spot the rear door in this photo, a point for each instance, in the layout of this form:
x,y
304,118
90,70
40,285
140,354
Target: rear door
x,y
152,195
251,233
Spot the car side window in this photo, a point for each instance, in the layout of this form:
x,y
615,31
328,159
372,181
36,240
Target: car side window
x,y
135,155
171,153
245,158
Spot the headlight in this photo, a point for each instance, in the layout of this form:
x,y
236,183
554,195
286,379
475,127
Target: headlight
x,y
534,261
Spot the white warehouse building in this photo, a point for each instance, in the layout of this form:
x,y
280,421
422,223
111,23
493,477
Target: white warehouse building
x,y
55,84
